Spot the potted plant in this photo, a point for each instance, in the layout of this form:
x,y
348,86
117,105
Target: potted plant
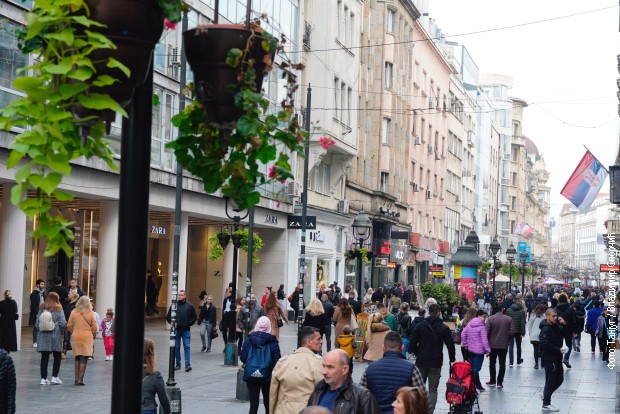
x,y
74,69
356,253
217,251
227,137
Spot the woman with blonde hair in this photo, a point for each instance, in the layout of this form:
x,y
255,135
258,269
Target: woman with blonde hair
x,y
274,311
315,316
8,316
50,342
152,383
458,330
83,327
368,295
375,335
410,400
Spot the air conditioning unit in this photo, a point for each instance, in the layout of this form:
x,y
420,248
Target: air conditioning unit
x,y
418,140
343,206
430,150
470,142
416,187
429,194
292,189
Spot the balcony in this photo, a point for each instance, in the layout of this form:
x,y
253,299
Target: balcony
x,y
420,242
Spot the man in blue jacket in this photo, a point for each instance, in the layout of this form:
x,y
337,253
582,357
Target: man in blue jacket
x,y
591,321
385,376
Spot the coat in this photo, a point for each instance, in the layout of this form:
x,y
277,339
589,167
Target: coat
x,y
500,328
352,399
474,337
272,314
35,302
316,321
374,340
427,340
292,381
551,341
517,313
257,338
340,321
51,341
8,330
533,326
8,383
83,327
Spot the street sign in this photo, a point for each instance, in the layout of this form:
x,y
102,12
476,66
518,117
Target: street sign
x,y
436,268
605,268
381,262
294,222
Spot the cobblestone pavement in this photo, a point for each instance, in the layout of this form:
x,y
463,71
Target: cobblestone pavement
x,y
210,387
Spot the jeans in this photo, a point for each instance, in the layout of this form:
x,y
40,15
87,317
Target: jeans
x,y
592,341
577,341
35,334
536,346
254,389
476,365
514,339
433,375
495,354
328,337
206,328
569,343
45,357
186,335
554,376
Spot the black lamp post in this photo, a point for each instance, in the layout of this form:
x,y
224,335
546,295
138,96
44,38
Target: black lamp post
x,y
361,232
495,248
523,257
511,253
473,240
236,239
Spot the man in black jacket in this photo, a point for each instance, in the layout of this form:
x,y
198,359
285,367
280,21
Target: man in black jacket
x,y
357,307
37,297
185,318
337,391
566,312
551,339
329,314
427,340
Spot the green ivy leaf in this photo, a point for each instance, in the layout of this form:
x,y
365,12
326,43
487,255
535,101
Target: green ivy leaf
x,y
113,63
63,67
68,90
104,80
99,101
233,57
62,196
65,36
81,74
248,126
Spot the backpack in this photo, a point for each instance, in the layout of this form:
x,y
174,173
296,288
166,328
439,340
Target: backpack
x,y
258,364
460,385
404,325
456,337
46,321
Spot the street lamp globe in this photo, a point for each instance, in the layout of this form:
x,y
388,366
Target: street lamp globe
x,y
473,240
511,253
523,256
361,225
495,247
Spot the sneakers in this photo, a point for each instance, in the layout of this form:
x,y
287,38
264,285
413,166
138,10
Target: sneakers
x,y
550,408
188,368
34,345
204,348
481,389
490,383
577,349
499,386
519,362
568,365
177,367
45,381
510,366
208,350
56,380
536,366
107,357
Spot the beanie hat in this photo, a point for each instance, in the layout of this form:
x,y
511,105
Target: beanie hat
x,y
263,324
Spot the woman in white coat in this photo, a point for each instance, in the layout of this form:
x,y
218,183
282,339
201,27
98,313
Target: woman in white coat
x,y
533,327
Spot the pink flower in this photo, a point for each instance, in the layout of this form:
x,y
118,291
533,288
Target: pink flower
x,y
272,172
169,24
326,142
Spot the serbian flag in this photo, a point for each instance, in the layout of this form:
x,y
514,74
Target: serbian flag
x,y
587,180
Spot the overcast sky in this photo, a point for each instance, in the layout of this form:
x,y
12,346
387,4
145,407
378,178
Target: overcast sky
x,y
565,68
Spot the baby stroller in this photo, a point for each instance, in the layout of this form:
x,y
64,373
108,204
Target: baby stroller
x,y
460,390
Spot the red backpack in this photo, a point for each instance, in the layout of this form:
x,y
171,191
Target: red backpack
x,y
460,385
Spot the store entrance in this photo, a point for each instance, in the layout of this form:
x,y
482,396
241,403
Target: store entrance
x,y
158,264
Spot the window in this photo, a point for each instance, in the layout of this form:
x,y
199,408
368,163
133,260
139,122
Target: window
x,y
336,97
320,179
384,182
389,24
385,136
388,75
11,59
338,19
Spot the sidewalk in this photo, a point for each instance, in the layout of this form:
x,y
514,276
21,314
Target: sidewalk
x,y
210,387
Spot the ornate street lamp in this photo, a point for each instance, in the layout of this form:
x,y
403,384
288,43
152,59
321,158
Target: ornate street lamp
x,y
361,232
523,257
473,240
511,253
495,248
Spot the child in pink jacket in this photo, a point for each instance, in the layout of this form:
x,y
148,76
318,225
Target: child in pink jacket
x,y
474,338
108,334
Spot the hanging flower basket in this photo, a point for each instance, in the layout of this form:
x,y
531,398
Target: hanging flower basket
x,y
216,81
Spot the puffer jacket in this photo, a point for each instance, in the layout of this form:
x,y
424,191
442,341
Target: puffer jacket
x,y
551,340
517,313
352,399
592,317
7,383
474,337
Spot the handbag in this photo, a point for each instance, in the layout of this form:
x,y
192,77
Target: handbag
x,y
214,333
353,324
280,321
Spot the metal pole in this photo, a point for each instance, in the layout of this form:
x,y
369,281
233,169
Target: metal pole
x,y
359,269
510,277
304,213
216,12
132,244
236,219
523,279
494,275
248,286
177,225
